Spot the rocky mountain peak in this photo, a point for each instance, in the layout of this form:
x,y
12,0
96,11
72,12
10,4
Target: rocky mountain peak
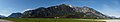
x,y
63,11
64,4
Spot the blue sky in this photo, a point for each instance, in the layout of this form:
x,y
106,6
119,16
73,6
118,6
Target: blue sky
x,y
107,7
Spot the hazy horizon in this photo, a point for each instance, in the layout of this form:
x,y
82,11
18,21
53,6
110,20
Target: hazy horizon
x,y
107,7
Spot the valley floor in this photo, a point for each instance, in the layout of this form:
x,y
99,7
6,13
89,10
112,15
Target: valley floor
x,y
58,20
1,20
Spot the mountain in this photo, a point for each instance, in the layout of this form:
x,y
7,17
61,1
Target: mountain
x,y
1,16
15,15
90,12
63,11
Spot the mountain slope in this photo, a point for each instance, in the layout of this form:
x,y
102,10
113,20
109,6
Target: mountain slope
x,y
1,16
63,11
15,15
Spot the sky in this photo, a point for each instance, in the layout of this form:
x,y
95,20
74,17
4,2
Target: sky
x,y
107,7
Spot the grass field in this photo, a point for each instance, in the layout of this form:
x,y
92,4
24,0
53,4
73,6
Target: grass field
x,y
47,20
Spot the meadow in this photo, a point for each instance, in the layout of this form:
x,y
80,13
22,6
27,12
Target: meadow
x,y
48,20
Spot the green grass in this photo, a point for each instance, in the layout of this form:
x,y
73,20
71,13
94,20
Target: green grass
x,y
47,20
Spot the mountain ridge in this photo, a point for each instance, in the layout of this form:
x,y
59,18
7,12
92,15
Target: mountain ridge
x,y
63,11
